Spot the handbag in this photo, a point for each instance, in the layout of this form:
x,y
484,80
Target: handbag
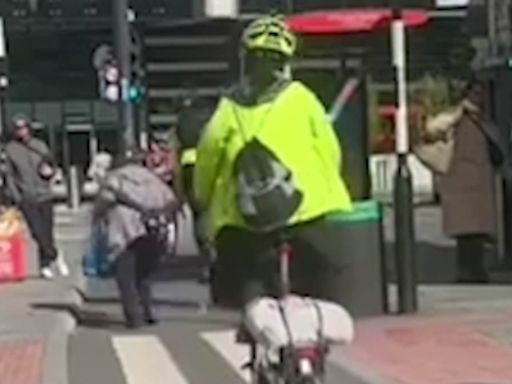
x,y
438,155
95,263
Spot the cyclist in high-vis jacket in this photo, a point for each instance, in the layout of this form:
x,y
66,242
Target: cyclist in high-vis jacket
x,y
288,118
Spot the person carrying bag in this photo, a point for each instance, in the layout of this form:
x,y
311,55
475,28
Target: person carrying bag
x,y
135,205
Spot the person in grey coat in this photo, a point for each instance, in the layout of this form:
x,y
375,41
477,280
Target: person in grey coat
x,y
467,190
30,168
129,194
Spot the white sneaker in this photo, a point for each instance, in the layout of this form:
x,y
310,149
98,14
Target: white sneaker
x,y
46,273
62,265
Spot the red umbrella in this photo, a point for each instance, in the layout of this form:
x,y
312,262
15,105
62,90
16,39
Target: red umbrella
x,y
352,20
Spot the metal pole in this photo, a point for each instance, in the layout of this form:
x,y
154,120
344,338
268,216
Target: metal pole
x,y
74,188
4,79
122,49
491,27
403,191
4,83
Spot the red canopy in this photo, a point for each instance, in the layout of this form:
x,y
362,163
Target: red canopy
x,y
352,20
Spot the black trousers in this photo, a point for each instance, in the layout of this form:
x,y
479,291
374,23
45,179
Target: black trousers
x,y
40,220
470,259
247,263
187,173
133,271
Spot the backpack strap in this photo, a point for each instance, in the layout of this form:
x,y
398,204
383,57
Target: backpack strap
x,y
276,90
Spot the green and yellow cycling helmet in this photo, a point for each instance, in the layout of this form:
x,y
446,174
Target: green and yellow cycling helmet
x,y
270,33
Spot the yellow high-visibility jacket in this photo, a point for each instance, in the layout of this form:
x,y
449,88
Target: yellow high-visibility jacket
x,y
188,156
293,125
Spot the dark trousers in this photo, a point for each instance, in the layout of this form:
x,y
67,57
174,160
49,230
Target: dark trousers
x,y
247,263
470,259
40,220
134,269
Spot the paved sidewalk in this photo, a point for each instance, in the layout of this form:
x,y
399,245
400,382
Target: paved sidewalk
x,y
35,317
461,335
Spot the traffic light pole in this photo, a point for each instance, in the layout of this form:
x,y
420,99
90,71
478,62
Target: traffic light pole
x,y
403,191
4,83
122,49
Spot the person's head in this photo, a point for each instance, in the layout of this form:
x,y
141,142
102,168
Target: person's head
x,y
268,45
159,137
21,128
474,92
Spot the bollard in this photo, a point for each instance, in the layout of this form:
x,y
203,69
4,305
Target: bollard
x,y
143,141
74,188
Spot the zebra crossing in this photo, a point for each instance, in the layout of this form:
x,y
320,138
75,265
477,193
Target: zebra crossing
x,y
179,353
159,369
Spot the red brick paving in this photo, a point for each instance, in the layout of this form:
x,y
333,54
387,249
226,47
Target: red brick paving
x,y
20,362
436,351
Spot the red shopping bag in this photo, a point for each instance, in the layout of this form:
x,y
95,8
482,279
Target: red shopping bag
x,y
13,266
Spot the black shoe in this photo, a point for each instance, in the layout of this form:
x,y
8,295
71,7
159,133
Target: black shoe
x,y
150,320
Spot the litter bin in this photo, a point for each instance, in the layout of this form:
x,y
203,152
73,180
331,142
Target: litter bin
x,y
363,288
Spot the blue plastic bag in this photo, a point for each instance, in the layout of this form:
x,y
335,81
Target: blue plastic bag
x,y
95,261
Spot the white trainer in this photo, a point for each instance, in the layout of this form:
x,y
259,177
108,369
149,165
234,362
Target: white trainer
x,y
46,273
62,265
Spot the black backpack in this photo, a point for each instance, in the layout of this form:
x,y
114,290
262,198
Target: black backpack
x,y
266,194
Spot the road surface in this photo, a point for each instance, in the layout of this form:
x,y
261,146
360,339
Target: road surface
x,y
191,345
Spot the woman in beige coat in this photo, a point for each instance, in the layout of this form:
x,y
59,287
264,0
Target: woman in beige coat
x,y
467,189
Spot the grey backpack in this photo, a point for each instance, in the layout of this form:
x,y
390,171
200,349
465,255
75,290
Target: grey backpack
x,y
266,194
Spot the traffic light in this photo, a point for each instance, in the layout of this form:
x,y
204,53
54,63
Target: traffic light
x,y
134,94
137,76
108,73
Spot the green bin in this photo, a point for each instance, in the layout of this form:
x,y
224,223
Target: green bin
x,y
362,287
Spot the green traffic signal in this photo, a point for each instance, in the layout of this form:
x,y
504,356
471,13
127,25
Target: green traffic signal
x,y
134,94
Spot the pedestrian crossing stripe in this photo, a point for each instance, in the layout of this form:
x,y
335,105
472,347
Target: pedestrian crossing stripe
x,y
144,359
236,355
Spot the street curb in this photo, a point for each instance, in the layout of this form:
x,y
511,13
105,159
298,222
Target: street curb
x,y
55,364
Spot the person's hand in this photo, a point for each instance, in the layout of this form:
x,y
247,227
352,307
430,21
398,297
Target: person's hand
x,y
46,171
